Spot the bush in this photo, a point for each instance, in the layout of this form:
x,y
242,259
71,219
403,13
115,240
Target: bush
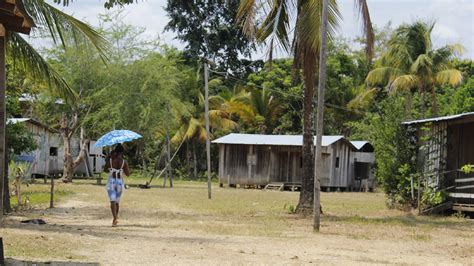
x,y
394,149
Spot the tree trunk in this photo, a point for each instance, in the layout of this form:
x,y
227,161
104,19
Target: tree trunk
x,y
68,169
434,102
320,117
6,188
84,142
3,88
305,203
51,194
195,163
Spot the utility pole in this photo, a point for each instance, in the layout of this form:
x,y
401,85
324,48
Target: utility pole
x,y
208,143
3,88
170,169
320,118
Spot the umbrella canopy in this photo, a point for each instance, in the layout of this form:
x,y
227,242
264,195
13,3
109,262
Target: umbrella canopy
x,y
116,136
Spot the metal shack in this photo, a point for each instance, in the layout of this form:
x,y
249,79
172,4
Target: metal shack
x,y
48,157
252,159
445,145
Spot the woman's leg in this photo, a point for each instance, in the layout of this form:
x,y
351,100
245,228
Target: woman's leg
x,y
113,207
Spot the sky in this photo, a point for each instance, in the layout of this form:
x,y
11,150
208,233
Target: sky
x,y
454,18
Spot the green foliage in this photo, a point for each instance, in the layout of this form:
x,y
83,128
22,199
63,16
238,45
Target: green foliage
x,y
209,28
279,81
18,169
468,168
290,208
411,63
18,138
394,152
433,196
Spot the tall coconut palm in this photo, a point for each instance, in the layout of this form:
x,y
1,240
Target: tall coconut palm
x,y
305,45
411,63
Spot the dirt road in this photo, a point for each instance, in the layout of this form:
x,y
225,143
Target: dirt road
x,y
180,226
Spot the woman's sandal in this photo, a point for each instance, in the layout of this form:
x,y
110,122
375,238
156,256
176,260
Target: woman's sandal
x,y
114,223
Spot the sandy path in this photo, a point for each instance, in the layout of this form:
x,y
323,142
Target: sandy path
x,y
83,229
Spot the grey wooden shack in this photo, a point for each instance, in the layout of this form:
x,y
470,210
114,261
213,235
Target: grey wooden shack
x,y
48,157
362,161
445,145
257,160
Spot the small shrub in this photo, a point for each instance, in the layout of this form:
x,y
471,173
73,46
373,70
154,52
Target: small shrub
x,y
459,215
290,208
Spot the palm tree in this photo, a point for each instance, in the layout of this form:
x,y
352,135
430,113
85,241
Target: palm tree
x,y
62,28
193,128
259,110
411,63
305,48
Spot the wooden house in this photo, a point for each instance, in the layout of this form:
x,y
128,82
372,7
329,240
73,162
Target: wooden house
x,y
445,144
48,157
258,160
362,161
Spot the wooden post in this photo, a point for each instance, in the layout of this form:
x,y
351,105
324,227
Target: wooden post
x,y
249,164
288,168
18,186
208,143
320,117
2,254
170,168
3,88
51,198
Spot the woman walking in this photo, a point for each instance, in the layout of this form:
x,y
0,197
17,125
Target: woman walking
x,y
118,169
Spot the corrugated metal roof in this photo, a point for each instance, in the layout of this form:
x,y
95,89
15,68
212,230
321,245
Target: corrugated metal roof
x,y
359,143
30,120
437,119
277,140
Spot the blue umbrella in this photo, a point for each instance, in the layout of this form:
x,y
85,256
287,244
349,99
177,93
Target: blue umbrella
x,y
116,136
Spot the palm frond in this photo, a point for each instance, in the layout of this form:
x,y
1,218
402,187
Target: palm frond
x,y
367,27
179,135
246,17
452,77
442,56
405,82
382,76
422,65
193,128
309,23
26,57
63,27
276,25
363,99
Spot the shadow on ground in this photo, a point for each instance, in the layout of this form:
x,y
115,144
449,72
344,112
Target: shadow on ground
x,y
407,220
15,262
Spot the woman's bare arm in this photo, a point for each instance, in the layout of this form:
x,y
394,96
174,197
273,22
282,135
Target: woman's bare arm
x,y
126,170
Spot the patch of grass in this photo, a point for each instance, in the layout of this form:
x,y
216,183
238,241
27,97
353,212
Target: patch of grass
x,y
38,246
39,194
421,237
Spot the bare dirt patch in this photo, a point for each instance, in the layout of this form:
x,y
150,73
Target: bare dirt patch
x,y
181,226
